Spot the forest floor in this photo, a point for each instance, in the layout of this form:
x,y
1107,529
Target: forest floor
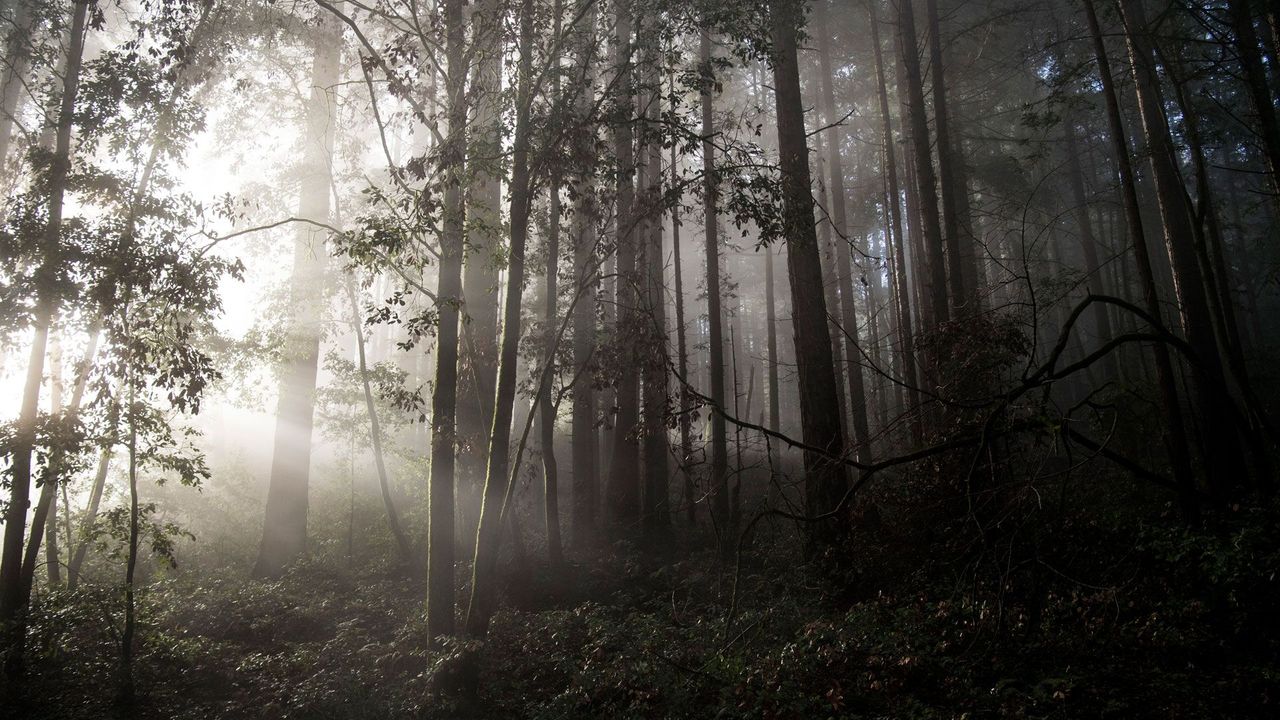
x,y
1185,631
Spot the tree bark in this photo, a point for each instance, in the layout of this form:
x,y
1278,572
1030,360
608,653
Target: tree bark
x,y
825,481
926,181
1088,243
547,406
830,289
441,591
586,484
478,359
375,435
1222,450
623,489
959,282
284,532
656,497
718,480
13,600
497,484
1175,437
843,241
1260,96
896,238
18,57
682,358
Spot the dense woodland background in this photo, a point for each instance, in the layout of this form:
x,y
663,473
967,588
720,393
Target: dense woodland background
x,y
635,358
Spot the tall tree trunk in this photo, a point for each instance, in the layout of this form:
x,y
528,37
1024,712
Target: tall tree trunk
x,y
547,406
825,481
52,557
497,486
843,242
126,689
717,482
682,356
926,181
771,345
1175,437
1222,455
14,78
440,488
478,360
284,532
955,227
1255,77
830,289
586,484
1088,244
375,435
13,599
1208,232
623,489
906,334
91,513
656,496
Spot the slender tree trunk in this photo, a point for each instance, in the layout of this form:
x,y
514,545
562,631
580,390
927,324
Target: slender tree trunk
x,y
843,242
718,480
825,481
1175,437
623,489
478,360
1255,77
13,599
682,353
497,485
18,64
91,513
830,289
441,591
906,335
284,532
586,484
52,556
1208,234
771,344
131,562
656,496
1222,450
926,181
375,435
1088,244
948,161
547,407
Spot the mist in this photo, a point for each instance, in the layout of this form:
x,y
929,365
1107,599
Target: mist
x,y
585,358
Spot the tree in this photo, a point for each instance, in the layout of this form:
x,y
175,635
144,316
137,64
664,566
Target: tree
x,y
1175,438
586,488
440,488
843,241
718,480
895,237
478,361
656,513
926,182
12,599
824,480
548,406
623,489
284,532
1220,442
497,485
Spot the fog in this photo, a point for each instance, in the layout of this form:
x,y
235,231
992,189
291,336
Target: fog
x,y
580,358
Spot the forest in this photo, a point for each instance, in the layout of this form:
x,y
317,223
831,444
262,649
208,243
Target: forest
x,y
639,358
